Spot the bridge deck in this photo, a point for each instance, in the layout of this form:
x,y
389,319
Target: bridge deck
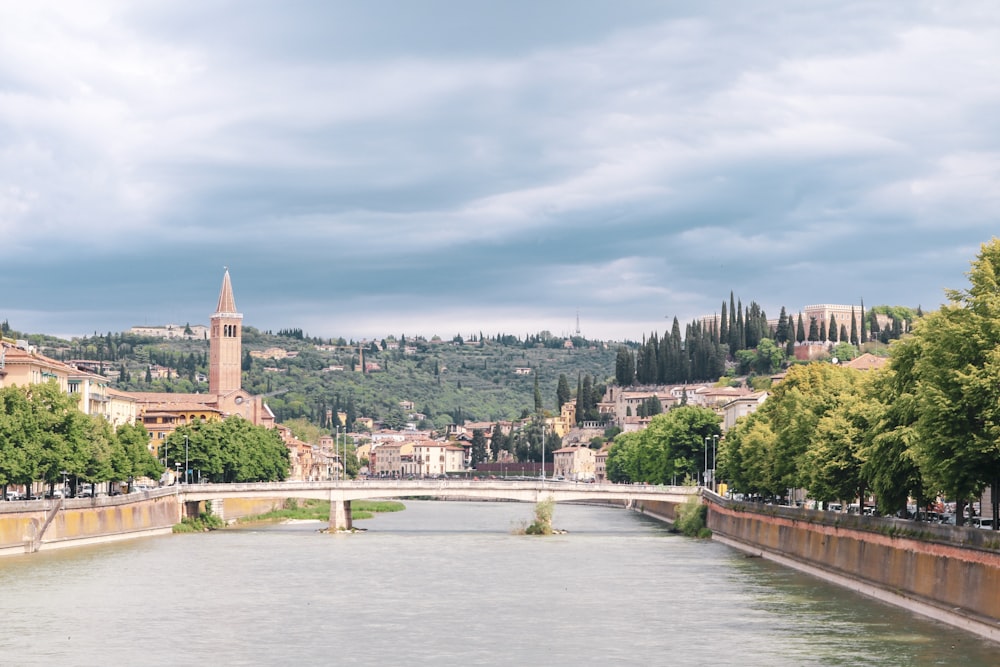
x,y
525,491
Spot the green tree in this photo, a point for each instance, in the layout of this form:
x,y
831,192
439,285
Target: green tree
x,y
957,372
890,463
563,393
624,367
478,452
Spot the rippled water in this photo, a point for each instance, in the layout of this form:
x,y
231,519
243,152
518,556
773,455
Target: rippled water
x,y
449,584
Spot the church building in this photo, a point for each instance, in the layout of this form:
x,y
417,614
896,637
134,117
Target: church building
x,y
162,413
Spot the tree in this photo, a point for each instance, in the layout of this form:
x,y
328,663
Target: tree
x,y
538,394
800,331
957,373
670,449
624,367
890,463
563,393
478,452
498,441
781,332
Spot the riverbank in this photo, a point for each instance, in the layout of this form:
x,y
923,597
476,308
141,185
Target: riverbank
x,y
949,574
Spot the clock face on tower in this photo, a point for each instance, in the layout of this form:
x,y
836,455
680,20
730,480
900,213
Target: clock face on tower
x,y
239,400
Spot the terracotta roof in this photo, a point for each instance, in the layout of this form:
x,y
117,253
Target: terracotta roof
x,y
867,362
227,304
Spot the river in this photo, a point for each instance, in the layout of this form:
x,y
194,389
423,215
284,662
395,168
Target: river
x,y
449,583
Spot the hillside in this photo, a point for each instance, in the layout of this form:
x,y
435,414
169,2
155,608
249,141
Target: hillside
x,y
445,380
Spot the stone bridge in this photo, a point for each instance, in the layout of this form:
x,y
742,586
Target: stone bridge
x,y
341,493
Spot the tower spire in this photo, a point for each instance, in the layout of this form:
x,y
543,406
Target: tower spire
x,y
225,343
227,304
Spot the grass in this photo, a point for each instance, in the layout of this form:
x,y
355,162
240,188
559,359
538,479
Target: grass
x,y
319,510
199,524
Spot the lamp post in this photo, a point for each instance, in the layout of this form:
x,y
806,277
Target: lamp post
x,y
178,465
705,474
543,451
715,444
64,473
186,464
336,452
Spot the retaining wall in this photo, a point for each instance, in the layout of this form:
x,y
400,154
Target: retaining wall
x,y
946,572
31,526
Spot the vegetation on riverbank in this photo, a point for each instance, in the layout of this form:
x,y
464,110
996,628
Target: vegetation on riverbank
x,y
319,510
691,515
203,522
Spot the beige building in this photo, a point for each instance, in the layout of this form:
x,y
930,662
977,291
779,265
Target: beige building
x,y
741,407
432,458
622,402
824,311
601,465
389,458
22,365
574,463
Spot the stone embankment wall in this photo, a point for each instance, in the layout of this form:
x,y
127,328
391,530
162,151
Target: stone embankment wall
x,y
948,573
26,527
231,509
661,510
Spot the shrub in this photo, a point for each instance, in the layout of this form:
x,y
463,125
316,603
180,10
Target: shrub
x,y
691,518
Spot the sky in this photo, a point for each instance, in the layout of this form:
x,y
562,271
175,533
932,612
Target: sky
x,y
452,167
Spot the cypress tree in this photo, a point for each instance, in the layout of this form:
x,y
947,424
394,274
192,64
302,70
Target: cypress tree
x,y
800,331
562,389
724,325
854,328
781,333
864,326
813,329
833,328
579,398
741,328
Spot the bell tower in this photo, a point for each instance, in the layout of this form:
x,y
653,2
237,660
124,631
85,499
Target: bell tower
x,y
225,344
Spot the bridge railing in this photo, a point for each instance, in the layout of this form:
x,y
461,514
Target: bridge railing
x,y
436,484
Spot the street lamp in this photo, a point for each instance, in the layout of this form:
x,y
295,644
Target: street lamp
x,y
715,444
178,464
186,464
543,451
705,473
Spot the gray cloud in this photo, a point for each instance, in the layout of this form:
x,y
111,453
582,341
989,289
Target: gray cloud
x,y
440,164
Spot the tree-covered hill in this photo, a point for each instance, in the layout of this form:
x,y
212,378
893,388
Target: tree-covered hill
x,y
448,381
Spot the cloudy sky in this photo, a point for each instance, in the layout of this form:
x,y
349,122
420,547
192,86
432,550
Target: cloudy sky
x,y
448,166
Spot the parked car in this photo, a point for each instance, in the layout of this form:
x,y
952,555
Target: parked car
x,y
981,522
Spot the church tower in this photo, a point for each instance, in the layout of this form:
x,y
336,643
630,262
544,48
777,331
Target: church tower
x,y
225,344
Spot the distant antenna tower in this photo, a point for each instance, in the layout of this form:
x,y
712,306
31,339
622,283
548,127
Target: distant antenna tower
x,y
578,322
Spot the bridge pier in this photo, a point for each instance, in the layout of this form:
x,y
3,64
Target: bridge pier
x,y
340,515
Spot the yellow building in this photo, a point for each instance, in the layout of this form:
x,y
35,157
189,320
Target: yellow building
x,y
22,365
